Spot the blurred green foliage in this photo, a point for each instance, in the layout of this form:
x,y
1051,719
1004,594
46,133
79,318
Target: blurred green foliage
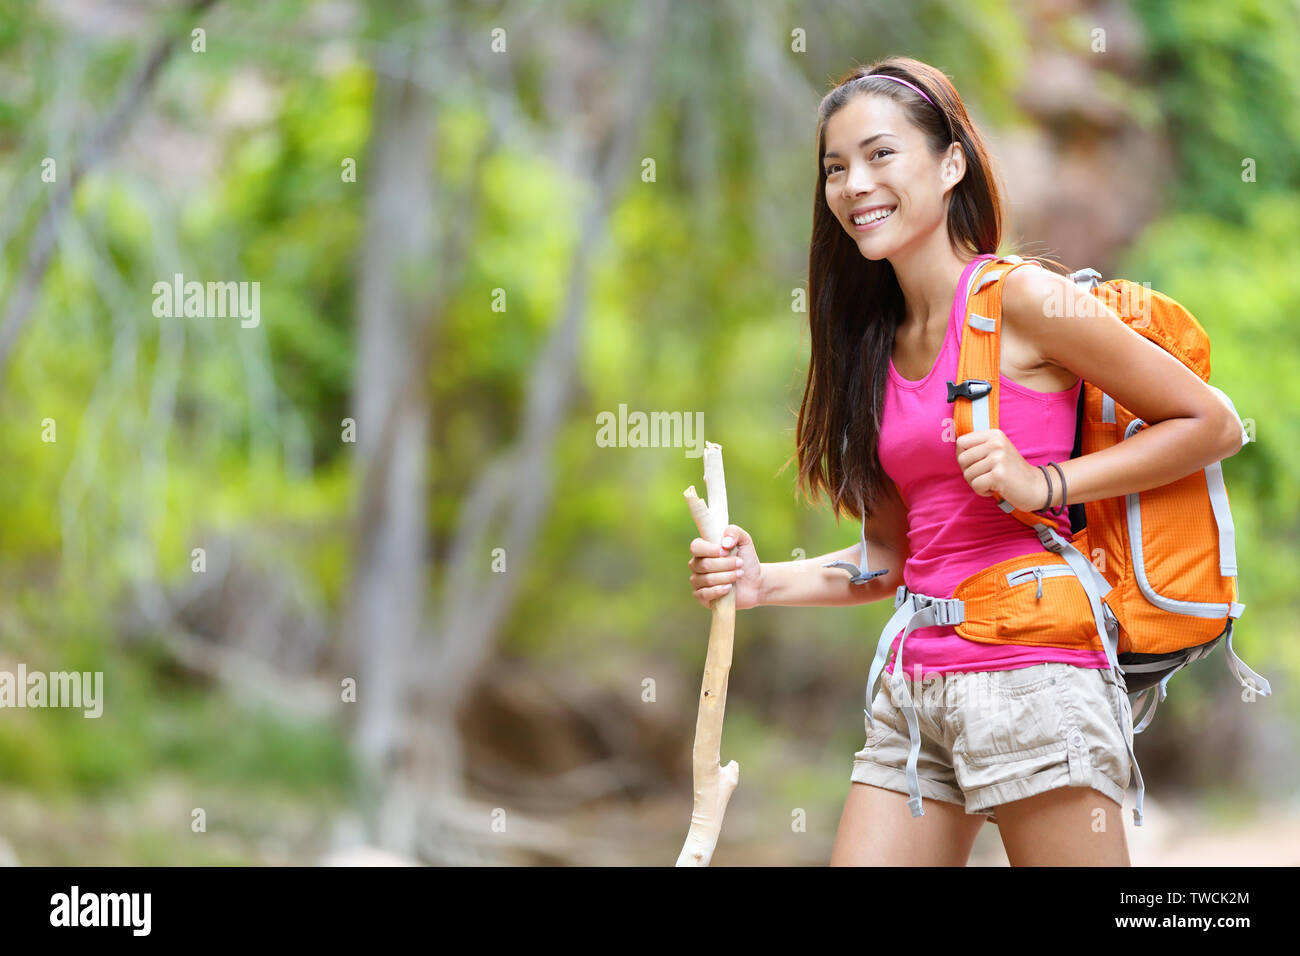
x,y
172,432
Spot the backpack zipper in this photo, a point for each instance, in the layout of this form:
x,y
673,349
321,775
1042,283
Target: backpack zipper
x,y
1038,572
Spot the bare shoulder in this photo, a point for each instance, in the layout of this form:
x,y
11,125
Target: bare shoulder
x,y
1034,298
1034,301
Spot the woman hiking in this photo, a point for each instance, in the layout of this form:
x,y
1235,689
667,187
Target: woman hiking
x,y
1036,739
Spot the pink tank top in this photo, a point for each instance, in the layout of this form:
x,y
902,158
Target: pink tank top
x,y
952,531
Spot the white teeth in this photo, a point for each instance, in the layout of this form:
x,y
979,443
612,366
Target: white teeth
x,y
871,216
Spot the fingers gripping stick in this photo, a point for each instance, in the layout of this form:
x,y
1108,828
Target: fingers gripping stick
x,y
714,783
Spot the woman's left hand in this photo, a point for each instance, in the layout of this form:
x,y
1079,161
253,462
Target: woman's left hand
x,y
990,463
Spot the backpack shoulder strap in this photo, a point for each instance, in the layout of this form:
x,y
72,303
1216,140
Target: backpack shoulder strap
x,y
979,361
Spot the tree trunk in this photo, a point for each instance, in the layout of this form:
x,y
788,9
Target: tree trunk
x,y
392,416
410,690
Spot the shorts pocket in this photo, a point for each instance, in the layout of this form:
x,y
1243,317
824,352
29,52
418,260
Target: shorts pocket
x,y
1108,728
1012,715
882,710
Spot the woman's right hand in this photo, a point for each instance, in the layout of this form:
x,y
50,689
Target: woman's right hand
x,y
713,570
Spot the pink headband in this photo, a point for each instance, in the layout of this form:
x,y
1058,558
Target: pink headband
x,y
886,76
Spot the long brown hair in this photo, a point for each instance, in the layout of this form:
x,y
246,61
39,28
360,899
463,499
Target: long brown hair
x,y
855,304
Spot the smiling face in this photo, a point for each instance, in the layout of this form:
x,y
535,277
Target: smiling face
x,y
884,185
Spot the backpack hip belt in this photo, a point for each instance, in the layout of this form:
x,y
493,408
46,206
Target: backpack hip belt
x,y
1009,587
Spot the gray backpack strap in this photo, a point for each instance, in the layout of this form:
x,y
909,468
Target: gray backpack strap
x,y
904,610
913,611
1157,694
1089,278
1235,664
1137,771
1143,699
1110,641
914,738
860,572
1096,587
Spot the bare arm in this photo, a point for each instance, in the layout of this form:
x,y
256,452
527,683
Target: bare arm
x,y
807,583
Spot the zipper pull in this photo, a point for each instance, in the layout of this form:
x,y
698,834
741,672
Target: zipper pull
x,y
1038,573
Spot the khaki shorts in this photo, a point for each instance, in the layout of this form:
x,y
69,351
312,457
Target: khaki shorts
x,y
989,737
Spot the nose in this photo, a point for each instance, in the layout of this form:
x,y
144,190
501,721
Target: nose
x,y
857,180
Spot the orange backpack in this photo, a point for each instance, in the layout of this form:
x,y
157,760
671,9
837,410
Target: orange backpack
x,y
1150,578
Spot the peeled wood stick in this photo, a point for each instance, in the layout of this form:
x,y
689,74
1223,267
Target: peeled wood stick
x,y
713,783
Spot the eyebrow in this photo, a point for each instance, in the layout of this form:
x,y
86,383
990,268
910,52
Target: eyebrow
x,y
866,142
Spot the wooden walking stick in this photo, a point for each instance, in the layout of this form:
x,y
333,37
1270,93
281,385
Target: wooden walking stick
x,y
713,783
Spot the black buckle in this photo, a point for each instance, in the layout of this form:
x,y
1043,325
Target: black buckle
x,y
971,388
